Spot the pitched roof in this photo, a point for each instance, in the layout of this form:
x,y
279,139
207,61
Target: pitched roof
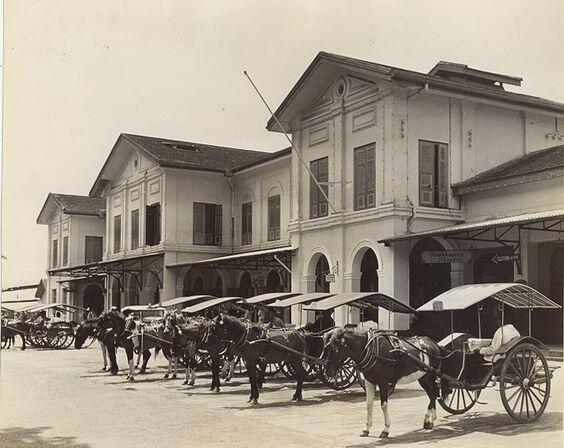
x,y
71,204
544,160
181,154
432,79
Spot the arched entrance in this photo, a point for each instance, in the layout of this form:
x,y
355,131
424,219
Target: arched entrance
x,y
94,298
321,270
274,282
246,286
116,293
132,291
198,286
369,272
218,290
193,283
426,281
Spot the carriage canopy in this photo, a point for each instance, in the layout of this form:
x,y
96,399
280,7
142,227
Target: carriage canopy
x,y
209,304
362,300
187,299
515,295
63,307
299,299
269,297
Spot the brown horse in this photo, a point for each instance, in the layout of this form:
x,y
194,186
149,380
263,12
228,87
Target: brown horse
x,y
12,328
385,360
257,345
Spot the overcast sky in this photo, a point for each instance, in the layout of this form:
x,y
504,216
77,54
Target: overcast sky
x,y
77,73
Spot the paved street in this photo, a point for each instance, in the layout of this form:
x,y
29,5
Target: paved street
x,y
61,399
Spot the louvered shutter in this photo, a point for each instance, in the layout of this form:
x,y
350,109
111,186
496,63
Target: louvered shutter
x,y
199,223
277,217
271,220
97,243
88,250
443,176
217,225
370,177
313,190
426,173
323,178
359,178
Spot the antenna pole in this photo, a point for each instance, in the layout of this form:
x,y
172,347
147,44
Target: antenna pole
x,y
325,196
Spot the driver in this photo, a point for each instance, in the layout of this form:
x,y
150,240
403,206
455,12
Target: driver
x,y
503,334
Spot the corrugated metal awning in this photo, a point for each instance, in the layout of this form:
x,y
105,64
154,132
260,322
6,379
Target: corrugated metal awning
x,y
303,298
270,297
360,300
481,225
134,308
515,295
19,306
187,299
209,304
226,258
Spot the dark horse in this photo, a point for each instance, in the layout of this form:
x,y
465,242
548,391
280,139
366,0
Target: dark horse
x,y
89,328
255,344
385,360
190,337
114,331
14,327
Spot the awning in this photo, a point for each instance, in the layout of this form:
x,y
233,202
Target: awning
x,y
187,299
236,257
299,299
134,308
269,297
524,219
361,300
515,295
58,306
209,304
17,306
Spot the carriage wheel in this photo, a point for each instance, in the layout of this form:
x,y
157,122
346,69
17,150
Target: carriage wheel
x,y
311,371
525,383
274,368
345,376
459,400
89,341
203,360
362,381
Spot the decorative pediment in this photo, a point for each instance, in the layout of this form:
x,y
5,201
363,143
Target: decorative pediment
x,y
357,85
135,164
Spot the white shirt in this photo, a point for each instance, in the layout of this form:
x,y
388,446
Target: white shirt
x,y
502,336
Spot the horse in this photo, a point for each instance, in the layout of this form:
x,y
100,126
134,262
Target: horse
x,y
386,359
257,345
189,338
90,328
115,331
15,327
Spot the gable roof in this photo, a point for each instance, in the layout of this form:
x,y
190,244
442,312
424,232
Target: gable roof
x,y
71,204
434,79
188,155
541,161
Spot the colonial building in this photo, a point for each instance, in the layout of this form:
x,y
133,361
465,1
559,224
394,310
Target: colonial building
x,y
402,182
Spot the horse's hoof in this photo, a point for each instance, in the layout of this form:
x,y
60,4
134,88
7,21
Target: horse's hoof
x,y
113,372
104,368
136,366
215,390
365,433
173,376
130,379
254,401
227,379
383,434
427,425
184,383
142,372
165,376
191,383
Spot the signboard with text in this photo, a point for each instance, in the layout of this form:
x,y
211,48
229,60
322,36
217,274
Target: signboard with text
x,y
446,256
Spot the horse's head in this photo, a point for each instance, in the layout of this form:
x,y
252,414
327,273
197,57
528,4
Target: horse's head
x,y
170,324
81,333
334,350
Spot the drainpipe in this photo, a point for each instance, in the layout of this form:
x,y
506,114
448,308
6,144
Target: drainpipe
x,y
229,175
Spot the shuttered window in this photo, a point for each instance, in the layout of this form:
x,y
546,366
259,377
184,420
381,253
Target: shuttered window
x,y
207,224
93,246
274,218
433,174
318,204
117,233
135,229
247,223
364,177
153,224
55,254
65,250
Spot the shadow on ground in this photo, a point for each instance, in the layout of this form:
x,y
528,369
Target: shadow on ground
x,y
496,423
17,437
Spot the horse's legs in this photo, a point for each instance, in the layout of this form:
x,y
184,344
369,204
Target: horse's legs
x,y
104,356
169,358
129,353
23,340
427,382
215,373
383,388
252,370
370,393
261,369
146,356
111,348
299,371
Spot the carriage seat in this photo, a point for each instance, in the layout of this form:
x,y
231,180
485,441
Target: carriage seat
x,y
455,338
477,343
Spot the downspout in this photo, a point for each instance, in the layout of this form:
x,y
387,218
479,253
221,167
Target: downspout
x,y
229,175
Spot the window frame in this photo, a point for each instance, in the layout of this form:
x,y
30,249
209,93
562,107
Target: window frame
x,y
246,223
94,259
211,225
117,234
365,197
274,210
65,250
318,205
55,253
135,229
434,188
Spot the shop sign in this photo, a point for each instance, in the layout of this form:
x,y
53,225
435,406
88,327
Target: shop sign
x,y
329,278
446,256
505,258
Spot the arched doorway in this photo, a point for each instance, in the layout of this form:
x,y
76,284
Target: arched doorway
x,y
218,290
198,286
94,298
116,293
426,281
246,286
132,291
321,270
369,272
193,283
273,282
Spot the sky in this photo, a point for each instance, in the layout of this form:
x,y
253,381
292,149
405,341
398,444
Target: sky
x,y
77,73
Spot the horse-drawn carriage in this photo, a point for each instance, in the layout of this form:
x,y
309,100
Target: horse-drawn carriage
x,y
519,365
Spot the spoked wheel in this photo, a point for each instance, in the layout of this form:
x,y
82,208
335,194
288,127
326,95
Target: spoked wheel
x,y
459,400
525,383
203,360
345,376
362,381
272,369
311,370
89,341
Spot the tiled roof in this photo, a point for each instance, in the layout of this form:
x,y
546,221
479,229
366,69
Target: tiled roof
x,y
181,154
532,163
79,205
